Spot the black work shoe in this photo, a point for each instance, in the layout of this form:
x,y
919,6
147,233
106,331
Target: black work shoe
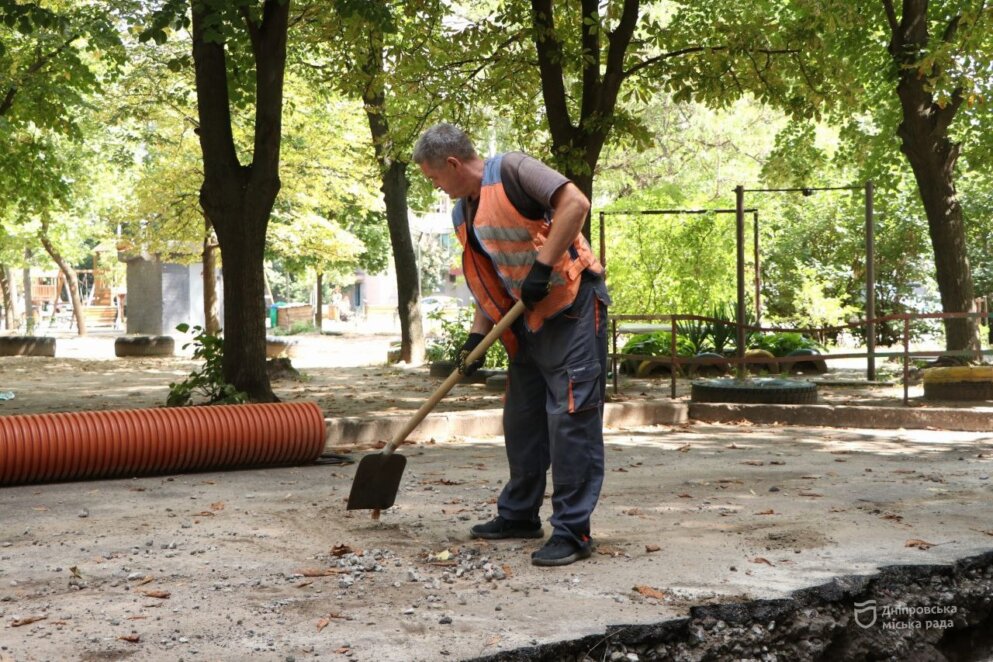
x,y
560,550
499,527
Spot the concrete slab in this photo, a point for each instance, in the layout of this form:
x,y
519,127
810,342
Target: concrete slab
x,y
268,565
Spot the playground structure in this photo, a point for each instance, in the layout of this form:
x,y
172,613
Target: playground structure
x,y
740,361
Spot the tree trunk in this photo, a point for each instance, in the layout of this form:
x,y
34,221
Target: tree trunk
x,y
394,189
319,303
395,183
932,156
28,303
238,199
71,279
578,146
9,298
212,322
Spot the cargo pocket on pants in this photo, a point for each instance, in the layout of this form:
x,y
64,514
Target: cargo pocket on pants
x,y
584,386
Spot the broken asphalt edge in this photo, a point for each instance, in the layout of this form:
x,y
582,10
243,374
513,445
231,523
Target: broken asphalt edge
x,y
836,598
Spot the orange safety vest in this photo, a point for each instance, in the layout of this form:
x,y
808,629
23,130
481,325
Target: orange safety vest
x,y
511,242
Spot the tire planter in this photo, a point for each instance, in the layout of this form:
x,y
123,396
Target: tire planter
x,y
770,391
709,369
277,348
811,367
126,346
770,365
660,367
964,383
27,346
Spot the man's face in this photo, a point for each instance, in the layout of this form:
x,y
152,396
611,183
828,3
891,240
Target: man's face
x,y
449,176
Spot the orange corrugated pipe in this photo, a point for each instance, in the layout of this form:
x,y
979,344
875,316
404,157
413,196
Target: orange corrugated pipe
x,y
39,448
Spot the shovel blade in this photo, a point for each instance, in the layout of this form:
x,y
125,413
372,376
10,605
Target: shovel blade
x,y
376,482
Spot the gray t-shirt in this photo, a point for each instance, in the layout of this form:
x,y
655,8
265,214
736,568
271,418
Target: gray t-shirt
x,y
529,184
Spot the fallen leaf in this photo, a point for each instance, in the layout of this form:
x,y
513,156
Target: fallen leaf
x,y
40,508
506,570
650,592
75,572
893,516
130,638
759,559
652,548
27,620
754,463
810,494
322,623
217,505
443,555
162,595
341,550
205,513
137,618
303,584
493,640
766,512
621,470
609,550
635,512
777,462
685,496
147,579
684,448
919,544
344,649
733,446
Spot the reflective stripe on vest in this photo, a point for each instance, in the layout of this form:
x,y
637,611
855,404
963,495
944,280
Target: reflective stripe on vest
x,y
511,241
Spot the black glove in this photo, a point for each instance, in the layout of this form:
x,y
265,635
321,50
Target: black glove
x,y
467,347
537,284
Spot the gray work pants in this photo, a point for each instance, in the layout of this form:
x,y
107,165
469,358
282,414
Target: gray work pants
x,y
553,415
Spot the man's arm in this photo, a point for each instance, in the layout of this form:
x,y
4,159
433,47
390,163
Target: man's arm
x,y
480,322
571,207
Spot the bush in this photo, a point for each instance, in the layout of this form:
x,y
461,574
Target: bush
x,y
208,380
454,333
656,343
295,328
781,343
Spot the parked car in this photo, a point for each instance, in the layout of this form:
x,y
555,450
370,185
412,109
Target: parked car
x,y
439,302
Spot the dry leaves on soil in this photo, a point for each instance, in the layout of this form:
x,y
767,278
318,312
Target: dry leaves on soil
x,y
922,545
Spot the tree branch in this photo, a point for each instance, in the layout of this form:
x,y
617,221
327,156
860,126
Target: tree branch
x,y
891,16
36,66
549,50
698,49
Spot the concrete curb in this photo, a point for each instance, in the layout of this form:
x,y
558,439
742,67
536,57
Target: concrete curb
x,y
846,416
489,422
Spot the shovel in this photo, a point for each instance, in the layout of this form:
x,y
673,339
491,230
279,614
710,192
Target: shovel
x,y
377,477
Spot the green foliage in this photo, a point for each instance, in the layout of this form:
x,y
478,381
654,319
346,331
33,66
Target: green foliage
x,y
208,380
296,328
655,343
781,343
454,333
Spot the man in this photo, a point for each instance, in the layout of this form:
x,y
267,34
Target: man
x,y
520,225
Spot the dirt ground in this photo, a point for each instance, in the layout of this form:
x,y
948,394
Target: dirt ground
x,y
268,565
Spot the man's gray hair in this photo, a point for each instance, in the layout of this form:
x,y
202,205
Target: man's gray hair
x,y
441,141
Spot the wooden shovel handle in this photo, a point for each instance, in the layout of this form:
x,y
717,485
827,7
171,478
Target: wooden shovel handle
x,y
455,377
